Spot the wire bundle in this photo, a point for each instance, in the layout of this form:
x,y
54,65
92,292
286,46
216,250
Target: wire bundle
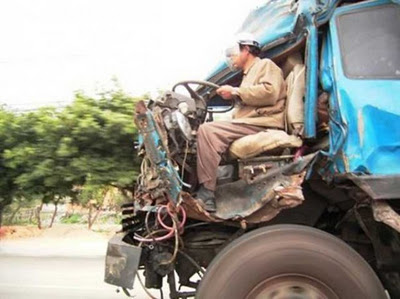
x,y
175,229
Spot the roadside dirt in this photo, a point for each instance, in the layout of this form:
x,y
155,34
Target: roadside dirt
x,y
18,232
62,231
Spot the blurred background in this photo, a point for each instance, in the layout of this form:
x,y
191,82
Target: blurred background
x,y
52,48
70,74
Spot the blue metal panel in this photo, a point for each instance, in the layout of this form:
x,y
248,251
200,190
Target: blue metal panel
x,y
337,129
157,153
325,9
310,10
274,24
277,19
361,110
369,111
311,96
269,23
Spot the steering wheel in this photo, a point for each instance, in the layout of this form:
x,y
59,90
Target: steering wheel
x,y
195,95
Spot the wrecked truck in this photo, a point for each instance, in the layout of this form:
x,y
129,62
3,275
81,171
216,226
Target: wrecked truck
x,y
314,216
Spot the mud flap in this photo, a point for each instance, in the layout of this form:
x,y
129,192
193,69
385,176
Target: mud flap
x,y
122,262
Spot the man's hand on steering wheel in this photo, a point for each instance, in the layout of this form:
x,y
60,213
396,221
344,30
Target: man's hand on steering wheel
x,y
230,95
227,92
193,93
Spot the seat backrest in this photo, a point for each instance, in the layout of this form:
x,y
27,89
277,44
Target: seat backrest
x,y
290,62
271,140
295,83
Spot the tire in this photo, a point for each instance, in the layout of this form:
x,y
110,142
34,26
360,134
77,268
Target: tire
x,y
289,261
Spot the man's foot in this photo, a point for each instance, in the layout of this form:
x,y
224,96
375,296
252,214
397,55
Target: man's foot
x,y
207,199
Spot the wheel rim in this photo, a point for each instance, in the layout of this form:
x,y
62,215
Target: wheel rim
x,y
292,286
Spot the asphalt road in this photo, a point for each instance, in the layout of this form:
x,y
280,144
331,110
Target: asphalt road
x,y
56,277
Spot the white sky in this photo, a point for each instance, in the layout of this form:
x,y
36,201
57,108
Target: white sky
x,y
51,48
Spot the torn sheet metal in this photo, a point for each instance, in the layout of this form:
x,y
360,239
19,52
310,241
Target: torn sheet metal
x,y
242,198
383,212
286,197
258,200
377,186
153,139
195,210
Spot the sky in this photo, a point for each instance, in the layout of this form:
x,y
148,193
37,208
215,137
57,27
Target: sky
x,y
51,48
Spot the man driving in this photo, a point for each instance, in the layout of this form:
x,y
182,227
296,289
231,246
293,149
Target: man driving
x,y
262,95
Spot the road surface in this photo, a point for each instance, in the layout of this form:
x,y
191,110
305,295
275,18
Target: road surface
x,y
53,277
29,274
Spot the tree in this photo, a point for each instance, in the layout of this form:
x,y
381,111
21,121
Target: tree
x,y
19,201
92,196
45,172
51,154
8,188
101,139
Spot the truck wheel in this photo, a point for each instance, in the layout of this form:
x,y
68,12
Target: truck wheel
x,y
289,261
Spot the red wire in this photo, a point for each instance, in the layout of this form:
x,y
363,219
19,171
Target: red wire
x,y
180,209
169,228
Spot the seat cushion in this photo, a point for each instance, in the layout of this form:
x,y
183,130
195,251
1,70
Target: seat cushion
x,y
265,141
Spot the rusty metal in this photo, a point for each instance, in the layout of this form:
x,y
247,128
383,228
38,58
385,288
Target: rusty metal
x,y
157,114
156,151
257,201
249,172
383,212
195,210
141,107
242,198
286,197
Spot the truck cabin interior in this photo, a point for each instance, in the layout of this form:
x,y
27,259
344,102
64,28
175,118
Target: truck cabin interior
x,y
251,154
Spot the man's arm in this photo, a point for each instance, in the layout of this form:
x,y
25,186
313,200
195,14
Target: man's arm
x,y
267,91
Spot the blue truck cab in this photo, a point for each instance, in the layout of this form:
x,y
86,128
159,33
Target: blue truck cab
x,y
315,215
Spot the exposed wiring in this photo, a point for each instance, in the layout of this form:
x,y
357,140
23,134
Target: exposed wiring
x,y
196,225
144,287
180,200
146,222
176,247
170,229
172,215
157,239
175,230
137,272
184,161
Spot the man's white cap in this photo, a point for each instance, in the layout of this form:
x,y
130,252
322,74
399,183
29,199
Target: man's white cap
x,y
247,39
244,39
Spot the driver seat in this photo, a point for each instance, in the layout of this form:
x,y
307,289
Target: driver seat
x,y
272,141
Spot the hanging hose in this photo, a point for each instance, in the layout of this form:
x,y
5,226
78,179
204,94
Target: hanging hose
x,y
171,230
144,287
174,230
157,239
172,215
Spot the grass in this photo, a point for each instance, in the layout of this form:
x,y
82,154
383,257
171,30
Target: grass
x,y
72,219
